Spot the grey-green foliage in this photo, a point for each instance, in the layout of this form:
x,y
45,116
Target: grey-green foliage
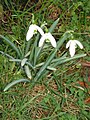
x,y
29,61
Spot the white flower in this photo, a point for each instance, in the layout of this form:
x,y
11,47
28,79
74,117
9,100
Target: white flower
x,y
47,36
72,45
31,31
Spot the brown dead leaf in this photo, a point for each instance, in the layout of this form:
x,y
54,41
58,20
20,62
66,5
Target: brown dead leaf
x,y
88,17
83,84
86,64
54,12
88,78
87,101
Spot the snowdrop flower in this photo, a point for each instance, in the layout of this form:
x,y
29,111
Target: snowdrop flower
x,y
47,36
31,31
72,44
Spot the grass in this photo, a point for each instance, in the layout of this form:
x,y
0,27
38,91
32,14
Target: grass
x,y
60,95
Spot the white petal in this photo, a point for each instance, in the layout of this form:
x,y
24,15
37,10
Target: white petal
x,y
35,27
40,30
41,42
72,48
29,34
52,39
79,44
72,51
68,43
31,30
47,36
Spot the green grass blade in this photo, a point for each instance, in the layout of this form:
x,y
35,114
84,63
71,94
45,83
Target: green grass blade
x,y
28,103
52,117
14,83
7,55
11,44
51,29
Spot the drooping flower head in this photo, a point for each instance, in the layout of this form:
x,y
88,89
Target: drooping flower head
x,y
72,44
47,36
31,31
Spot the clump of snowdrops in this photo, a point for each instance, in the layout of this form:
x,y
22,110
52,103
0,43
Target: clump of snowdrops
x,y
40,54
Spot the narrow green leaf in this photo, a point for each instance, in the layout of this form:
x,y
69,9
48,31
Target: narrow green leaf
x,y
58,59
26,55
15,60
54,60
29,102
37,54
27,63
62,62
38,51
7,55
68,59
39,65
52,55
52,117
27,46
15,82
28,72
51,29
11,44
63,38
32,55
41,71
23,62
51,68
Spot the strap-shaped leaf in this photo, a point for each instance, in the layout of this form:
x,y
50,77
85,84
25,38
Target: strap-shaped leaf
x,y
28,72
7,55
28,46
11,44
49,59
32,55
37,54
67,59
51,29
51,68
14,83
63,61
23,61
63,38
52,55
27,54
27,63
54,60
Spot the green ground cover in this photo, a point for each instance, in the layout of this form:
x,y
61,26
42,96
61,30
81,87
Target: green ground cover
x,y
63,94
